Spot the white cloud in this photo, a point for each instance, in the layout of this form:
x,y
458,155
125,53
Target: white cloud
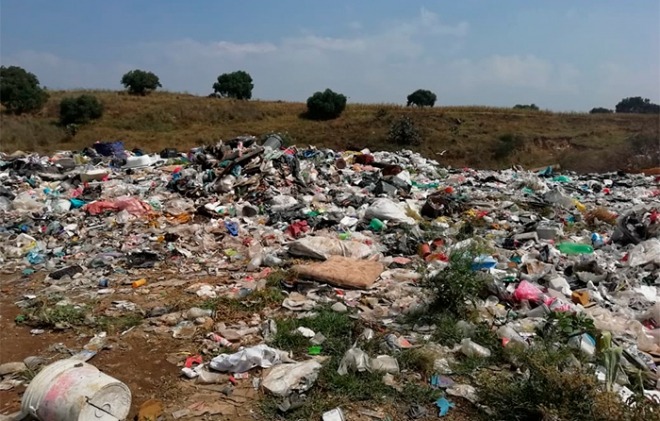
x,y
382,65
56,72
355,25
431,22
515,71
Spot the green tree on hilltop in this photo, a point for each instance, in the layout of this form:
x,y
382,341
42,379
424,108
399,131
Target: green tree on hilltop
x,y
20,91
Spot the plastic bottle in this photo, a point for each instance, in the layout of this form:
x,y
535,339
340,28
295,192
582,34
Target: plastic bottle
x,y
195,312
575,248
509,333
139,283
596,240
376,224
270,260
471,349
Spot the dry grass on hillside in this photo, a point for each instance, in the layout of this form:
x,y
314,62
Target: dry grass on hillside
x,y
469,135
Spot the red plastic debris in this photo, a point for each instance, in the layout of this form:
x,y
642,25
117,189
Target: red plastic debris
x,y
196,360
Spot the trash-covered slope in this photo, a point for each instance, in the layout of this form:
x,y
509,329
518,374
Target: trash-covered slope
x,y
310,280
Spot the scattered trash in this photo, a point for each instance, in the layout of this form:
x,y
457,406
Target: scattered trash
x,y
359,232
334,415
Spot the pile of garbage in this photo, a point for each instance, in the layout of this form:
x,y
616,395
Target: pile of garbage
x,y
359,231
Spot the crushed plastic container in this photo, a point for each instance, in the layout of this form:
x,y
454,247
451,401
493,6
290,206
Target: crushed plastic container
x,y
575,248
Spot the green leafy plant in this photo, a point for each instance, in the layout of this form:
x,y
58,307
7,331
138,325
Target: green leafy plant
x,y
455,288
600,110
637,105
140,82
562,326
325,105
20,91
404,132
421,98
237,85
507,144
80,110
531,107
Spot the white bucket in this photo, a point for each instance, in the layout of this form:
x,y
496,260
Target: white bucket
x,y
71,390
96,174
138,161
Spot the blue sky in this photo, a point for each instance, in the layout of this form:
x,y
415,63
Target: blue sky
x,y
560,54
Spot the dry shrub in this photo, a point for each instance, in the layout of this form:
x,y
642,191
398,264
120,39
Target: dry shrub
x,y
600,214
549,385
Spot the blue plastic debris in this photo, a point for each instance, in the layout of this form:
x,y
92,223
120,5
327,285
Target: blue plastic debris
x,y
441,381
444,405
483,262
232,228
77,203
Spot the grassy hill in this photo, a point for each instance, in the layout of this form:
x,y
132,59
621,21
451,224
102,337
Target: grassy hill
x,y
469,136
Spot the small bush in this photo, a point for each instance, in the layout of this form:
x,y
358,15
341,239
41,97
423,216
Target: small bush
x,y
560,326
547,384
644,151
421,98
404,132
20,91
531,107
80,110
140,82
237,85
600,110
637,105
325,105
457,286
507,144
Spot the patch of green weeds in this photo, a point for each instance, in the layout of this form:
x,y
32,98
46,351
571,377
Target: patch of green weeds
x,y
416,359
560,326
338,329
446,330
361,386
418,393
549,385
263,298
255,301
275,278
287,338
43,314
456,287
465,366
120,323
507,145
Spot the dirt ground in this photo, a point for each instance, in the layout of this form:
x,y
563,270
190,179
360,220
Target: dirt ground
x,y
147,361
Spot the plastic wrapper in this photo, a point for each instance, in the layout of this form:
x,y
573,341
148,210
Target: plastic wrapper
x,y
285,379
246,359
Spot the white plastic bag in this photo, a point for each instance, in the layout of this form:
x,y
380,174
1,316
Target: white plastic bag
x,y
354,359
645,252
324,247
388,210
287,378
246,359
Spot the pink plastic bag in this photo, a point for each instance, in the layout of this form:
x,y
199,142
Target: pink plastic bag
x,y
132,205
100,206
527,291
